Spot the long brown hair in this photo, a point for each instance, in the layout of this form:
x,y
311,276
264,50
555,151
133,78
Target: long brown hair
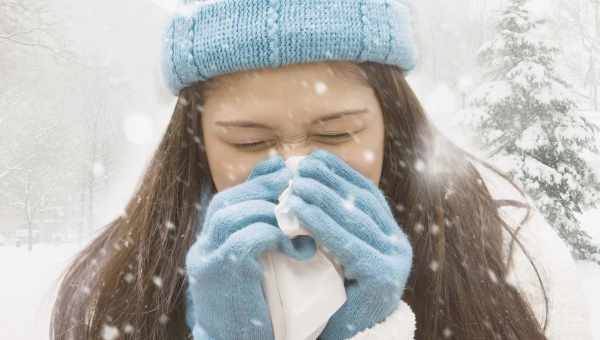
x,y
131,276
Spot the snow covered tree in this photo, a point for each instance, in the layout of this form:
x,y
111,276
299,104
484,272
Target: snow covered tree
x,y
526,118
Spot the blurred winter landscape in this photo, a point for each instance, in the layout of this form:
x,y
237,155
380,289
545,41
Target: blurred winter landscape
x,y
82,106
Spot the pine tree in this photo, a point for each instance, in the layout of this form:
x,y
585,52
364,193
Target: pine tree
x,y
525,117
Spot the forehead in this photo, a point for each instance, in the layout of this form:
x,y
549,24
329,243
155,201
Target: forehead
x,y
296,88
336,71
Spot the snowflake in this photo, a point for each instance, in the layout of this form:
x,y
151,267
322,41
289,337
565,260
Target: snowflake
x,y
98,169
419,227
447,333
109,332
170,225
349,203
157,281
257,322
369,156
320,87
128,328
231,175
419,165
129,277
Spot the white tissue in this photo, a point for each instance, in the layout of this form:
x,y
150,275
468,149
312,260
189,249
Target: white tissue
x,y
302,295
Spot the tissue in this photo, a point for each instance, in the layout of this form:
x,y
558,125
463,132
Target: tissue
x,y
301,295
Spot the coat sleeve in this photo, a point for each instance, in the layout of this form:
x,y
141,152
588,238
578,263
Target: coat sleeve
x,y
567,314
400,325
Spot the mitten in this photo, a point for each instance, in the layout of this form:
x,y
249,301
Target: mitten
x,y
225,300
349,217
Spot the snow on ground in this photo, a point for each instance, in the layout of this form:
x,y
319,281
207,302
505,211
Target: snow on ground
x,y
26,288
28,285
589,273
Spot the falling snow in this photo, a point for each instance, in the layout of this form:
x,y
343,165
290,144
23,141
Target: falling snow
x,y
320,87
369,156
109,332
435,229
419,165
129,277
138,128
170,225
257,323
447,333
157,280
163,319
98,169
128,328
419,227
349,203
29,278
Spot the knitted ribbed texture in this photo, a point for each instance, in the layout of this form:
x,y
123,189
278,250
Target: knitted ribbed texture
x,y
225,298
210,38
348,214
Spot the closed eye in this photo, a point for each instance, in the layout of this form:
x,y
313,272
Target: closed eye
x,y
255,144
334,135
249,145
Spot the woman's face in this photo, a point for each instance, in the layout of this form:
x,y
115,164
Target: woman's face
x,y
291,110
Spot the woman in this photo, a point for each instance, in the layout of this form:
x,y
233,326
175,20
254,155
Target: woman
x,y
433,250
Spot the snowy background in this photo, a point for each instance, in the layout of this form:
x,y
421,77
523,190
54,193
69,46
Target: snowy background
x,y
82,107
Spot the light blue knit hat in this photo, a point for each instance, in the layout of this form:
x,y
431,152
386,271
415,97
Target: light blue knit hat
x,y
213,37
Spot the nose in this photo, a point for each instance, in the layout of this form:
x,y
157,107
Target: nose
x,y
301,148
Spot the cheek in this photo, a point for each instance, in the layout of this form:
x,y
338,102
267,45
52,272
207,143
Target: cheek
x,y
366,154
230,171
228,167
366,159
228,174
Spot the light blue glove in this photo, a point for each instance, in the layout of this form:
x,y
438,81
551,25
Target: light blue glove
x,y
225,300
349,215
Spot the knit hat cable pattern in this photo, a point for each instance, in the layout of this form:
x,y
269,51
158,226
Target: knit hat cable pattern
x,y
209,38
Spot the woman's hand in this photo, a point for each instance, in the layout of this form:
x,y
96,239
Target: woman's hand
x,y
349,216
225,291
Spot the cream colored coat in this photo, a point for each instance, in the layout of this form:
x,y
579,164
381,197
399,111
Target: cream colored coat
x,y
568,317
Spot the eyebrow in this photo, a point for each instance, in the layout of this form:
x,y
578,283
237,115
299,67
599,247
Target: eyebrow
x,y
328,117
